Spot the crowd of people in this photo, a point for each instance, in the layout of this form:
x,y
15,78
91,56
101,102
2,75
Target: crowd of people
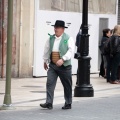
x,y
110,54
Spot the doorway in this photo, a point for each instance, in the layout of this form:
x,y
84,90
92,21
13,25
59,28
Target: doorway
x,y
103,23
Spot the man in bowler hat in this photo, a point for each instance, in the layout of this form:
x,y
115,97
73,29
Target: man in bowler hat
x,y
57,53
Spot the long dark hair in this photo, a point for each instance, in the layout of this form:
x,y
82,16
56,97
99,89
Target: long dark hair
x,y
105,31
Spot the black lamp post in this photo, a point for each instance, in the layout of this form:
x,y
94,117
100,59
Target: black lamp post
x,y
83,87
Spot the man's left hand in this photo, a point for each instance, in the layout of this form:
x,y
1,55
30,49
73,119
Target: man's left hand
x,y
59,62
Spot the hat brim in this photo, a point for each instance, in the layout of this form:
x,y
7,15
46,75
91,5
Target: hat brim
x,y
59,26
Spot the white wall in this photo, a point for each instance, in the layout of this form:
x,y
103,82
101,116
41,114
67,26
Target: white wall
x,y
42,29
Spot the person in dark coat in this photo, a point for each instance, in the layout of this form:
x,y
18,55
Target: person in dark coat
x,y
103,67
78,39
115,54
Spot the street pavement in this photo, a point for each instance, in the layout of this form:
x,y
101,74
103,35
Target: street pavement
x,y
28,93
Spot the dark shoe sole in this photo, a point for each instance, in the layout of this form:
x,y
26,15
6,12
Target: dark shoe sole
x,y
66,108
50,108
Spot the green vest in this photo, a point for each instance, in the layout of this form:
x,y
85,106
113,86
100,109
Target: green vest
x,y
63,47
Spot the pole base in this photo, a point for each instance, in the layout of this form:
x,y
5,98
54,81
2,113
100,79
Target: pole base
x,y
7,107
84,91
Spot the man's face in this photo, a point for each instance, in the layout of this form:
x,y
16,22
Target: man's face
x,y
58,31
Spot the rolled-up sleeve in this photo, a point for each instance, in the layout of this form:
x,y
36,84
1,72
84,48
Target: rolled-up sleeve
x,y
71,47
46,55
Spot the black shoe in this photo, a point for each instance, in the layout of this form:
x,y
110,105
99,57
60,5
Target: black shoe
x,y
47,105
107,81
101,75
66,106
105,77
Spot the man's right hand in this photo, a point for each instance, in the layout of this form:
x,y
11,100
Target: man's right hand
x,y
45,66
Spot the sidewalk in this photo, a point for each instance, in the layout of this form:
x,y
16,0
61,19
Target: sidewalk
x,y
28,93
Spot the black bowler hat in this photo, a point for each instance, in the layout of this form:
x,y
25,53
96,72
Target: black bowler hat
x,y
59,23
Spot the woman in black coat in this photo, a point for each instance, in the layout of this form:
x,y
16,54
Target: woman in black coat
x,y
115,54
103,66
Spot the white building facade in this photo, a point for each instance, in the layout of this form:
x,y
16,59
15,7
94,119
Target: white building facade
x,y
102,14
32,23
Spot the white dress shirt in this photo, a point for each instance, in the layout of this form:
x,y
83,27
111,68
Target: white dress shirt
x,y
67,56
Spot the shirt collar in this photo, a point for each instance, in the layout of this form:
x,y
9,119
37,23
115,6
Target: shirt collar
x,y
58,37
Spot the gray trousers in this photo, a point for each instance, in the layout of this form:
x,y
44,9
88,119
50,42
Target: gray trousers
x,y
65,75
